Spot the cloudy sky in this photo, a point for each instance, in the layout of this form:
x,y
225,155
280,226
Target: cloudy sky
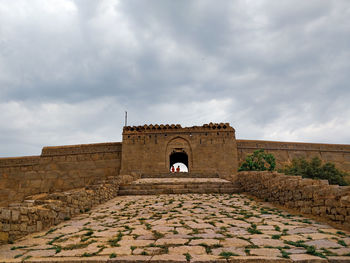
x,y
276,70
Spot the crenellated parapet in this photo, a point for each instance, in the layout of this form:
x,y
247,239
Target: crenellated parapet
x,y
161,128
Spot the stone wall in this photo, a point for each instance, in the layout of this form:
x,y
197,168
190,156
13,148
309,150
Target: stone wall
x,y
285,152
308,196
40,212
57,169
210,148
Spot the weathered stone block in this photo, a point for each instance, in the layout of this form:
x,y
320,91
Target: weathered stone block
x,y
34,183
15,227
5,214
339,218
345,200
4,236
31,228
24,218
39,226
6,227
23,227
15,215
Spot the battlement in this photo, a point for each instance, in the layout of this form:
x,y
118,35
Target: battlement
x,y
177,128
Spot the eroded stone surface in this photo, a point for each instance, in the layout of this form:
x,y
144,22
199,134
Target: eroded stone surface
x,y
178,228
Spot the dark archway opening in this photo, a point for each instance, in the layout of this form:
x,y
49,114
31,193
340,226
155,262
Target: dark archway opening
x,y
179,159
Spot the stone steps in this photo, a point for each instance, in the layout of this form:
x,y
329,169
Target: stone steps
x,y
180,191
153,186
180,175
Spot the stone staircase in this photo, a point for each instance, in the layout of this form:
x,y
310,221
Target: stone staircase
x,y
180,175
178,183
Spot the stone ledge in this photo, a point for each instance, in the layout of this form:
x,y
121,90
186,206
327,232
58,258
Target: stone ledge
x,y
81,149
19,161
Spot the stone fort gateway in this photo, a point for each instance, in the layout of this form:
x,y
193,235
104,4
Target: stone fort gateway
x,y
150,149
37,192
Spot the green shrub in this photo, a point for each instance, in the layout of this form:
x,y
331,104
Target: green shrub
x,y
315,170
259,161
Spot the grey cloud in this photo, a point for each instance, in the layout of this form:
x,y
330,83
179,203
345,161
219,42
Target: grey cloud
x,y
254,64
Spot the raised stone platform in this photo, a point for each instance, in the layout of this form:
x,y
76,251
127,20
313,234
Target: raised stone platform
x,y
181,175
178,185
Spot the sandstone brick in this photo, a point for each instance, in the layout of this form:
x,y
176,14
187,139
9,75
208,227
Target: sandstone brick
x,y
180,250
5,214
24,218
4,236
303,258
6,227
15,227
31,228
15,215
39,225
23,227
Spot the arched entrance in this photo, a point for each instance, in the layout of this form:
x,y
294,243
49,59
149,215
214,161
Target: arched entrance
x,y
178,158
179,152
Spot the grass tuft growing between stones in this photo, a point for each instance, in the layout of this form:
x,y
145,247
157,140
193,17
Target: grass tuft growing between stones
x,y
114,241
79,245
342,243
252,229
17,247
55,239
188,256
328,253
157,234
285,254
312,251
26,257
227,254
50,231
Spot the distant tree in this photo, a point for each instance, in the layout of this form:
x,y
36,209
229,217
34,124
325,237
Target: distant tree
x,y
259,161
315,170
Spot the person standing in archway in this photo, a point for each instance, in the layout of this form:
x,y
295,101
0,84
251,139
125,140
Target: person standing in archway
x,y
172,169
178,169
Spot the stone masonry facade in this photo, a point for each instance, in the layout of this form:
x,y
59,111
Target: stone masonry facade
x,y
41,211
210,148
57,169
315,197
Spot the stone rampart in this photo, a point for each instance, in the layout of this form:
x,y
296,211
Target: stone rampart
x,y
308,196
285,152
57,169
40,212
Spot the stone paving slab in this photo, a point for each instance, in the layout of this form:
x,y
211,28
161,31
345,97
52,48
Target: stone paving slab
x,y
184,228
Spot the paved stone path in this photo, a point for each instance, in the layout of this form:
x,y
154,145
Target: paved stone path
x,y
180,228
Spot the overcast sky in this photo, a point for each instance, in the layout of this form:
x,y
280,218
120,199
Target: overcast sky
x,y
275,70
